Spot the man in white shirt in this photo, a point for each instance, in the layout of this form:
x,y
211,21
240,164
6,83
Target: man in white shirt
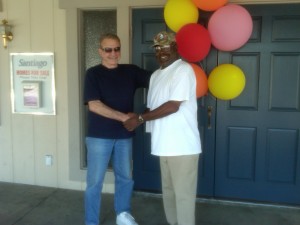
x,y
172,120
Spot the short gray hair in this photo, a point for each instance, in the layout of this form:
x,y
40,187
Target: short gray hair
x,y
109,36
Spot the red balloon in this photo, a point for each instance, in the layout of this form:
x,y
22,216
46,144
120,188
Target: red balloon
x,y
201,80
193,42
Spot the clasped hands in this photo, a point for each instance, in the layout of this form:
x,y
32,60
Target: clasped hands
x,y
132,122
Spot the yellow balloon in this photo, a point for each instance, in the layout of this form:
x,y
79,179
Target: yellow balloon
x,y
226,81
178,13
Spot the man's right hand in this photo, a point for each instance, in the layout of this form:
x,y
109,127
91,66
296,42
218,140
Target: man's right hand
x,y
132,123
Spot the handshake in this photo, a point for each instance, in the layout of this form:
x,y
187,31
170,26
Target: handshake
x,y
132,121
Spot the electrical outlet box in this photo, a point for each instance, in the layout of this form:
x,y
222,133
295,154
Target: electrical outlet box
x,y
48,160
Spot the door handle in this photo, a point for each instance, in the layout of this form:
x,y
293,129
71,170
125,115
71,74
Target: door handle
x,y
209,113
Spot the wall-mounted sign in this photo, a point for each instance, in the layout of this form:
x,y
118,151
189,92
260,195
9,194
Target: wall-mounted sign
x,y
32,83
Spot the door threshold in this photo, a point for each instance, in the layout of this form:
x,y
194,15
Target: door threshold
x,y
226,201
246,203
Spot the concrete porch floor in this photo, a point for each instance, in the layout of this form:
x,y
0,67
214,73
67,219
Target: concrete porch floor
x,y
35,205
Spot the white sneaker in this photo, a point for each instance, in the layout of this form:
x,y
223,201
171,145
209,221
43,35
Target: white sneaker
x,y
125,218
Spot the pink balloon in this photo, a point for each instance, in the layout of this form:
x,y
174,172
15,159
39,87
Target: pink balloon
x,y
230,27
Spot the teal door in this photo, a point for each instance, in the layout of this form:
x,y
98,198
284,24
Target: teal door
x,y
146,172
257,134
251,143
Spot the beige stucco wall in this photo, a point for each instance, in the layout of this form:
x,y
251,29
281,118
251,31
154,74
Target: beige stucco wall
x,y
51,26
38,26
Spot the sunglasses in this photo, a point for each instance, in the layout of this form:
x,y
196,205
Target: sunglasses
x,y
109,50
163,48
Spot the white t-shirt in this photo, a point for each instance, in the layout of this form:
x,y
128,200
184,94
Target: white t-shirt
x,y
176,134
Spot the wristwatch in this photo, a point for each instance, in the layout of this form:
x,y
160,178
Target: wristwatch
x,y
141,119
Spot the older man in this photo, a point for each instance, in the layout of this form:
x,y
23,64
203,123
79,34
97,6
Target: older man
x,y
109,94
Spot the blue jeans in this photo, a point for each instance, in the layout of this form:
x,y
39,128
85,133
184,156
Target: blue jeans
x,y
99,152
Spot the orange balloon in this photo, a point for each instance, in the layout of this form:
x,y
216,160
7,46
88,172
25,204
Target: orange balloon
x,y
209,5
201,80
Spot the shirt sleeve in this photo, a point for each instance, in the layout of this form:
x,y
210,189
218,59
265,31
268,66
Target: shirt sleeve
x,y
182,83
91,89
142,77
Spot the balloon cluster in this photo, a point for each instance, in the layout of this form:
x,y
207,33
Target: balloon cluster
x,y
229,28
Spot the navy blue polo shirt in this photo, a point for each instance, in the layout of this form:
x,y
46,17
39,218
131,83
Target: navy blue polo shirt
x,y
115,88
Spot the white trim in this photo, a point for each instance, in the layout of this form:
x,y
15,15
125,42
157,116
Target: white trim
x,y
67,4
